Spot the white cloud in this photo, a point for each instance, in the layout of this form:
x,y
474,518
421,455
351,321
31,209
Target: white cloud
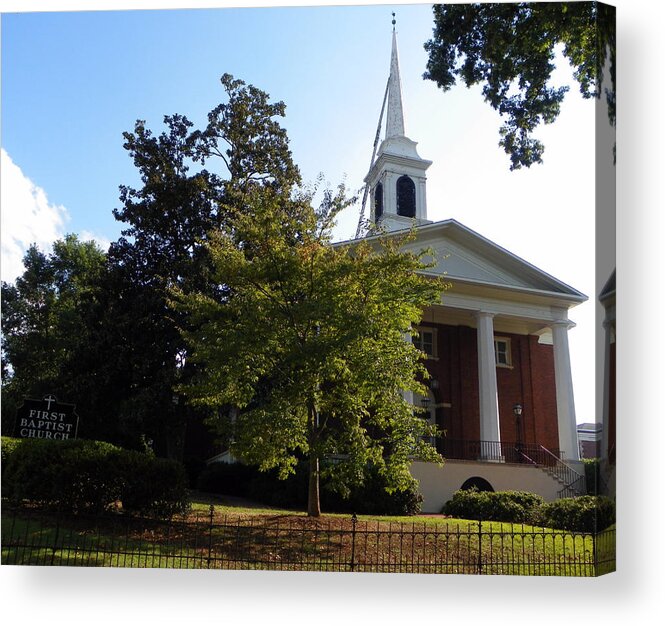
x,y
27,217
100,240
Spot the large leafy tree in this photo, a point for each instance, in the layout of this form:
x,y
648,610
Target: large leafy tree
x,y
304,353
49,320
509,49
191,180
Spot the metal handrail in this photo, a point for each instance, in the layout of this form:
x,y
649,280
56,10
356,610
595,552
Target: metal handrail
x,y
505,451
527,457
512,452
563,471
572,490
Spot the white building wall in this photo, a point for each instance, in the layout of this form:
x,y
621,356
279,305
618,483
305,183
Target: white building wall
x,y
437,484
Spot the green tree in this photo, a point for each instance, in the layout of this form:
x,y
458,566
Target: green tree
x,y
48,319
509,49
304,354
168,220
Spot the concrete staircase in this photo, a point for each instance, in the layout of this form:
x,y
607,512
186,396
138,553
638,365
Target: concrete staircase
x,y
572,482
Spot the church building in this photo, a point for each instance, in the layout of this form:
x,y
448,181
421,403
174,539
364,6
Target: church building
x,y
497,350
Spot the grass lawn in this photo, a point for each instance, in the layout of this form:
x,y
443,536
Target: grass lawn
x,y
248,536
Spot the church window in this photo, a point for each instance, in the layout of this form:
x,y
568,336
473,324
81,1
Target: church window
x,y
406,197
378,201
502,352
425,341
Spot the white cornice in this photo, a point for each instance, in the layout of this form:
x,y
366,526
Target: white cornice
x,y
504,262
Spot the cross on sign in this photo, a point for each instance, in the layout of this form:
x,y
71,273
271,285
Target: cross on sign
x,y
50,399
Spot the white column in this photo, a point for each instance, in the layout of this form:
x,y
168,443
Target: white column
x,y
565,402
605,437
421,206
390,193
489,404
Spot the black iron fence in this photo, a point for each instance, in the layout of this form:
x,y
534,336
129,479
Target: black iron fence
x,y
497,451
331,544
573,483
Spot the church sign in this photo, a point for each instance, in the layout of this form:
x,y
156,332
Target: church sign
x,y
46,419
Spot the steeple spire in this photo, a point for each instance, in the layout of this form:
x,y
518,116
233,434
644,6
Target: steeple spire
x,y
396,179
395,115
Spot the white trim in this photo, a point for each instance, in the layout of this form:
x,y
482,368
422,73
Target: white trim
x,y
508,352
427,329
490,249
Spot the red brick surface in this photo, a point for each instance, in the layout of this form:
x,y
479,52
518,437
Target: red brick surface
x,y
529,382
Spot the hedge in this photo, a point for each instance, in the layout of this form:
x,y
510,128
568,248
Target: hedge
x,y
588,514
370,498
153,485
84,475
9,444
581,514
497,506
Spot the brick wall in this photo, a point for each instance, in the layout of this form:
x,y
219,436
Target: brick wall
x,y
529,381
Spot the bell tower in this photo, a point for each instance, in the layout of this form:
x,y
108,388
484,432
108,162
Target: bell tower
x,y
396,180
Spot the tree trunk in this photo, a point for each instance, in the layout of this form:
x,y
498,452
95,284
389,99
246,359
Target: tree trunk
x,y
313,500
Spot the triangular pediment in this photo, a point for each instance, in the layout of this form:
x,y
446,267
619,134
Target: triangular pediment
x,y
462,254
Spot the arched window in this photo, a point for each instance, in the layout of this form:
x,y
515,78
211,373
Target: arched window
x,y
476,482
378,202
406,197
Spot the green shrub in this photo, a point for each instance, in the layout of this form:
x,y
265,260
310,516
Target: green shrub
x,y
587,514
592,476
499,506
194,466
153,485
231,479
83,475
78,475
7,447
290,492
236,479
371,498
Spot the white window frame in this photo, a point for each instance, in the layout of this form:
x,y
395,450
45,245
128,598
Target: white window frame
x,y
418,343
507,352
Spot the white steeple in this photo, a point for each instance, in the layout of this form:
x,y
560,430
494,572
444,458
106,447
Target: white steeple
x,y
395,115
397,177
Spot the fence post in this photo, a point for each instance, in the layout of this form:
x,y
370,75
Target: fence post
x,y
595,536
212,514
480,546
55,540
354,521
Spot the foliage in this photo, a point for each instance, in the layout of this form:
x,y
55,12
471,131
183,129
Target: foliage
x,y
49,321
231,479
153,485
370,497
304,351
499,506
7,448
84,475
592,476
168,220
583,514
74,474
510,48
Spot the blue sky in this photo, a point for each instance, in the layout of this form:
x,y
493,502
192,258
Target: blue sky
x,y
72,82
